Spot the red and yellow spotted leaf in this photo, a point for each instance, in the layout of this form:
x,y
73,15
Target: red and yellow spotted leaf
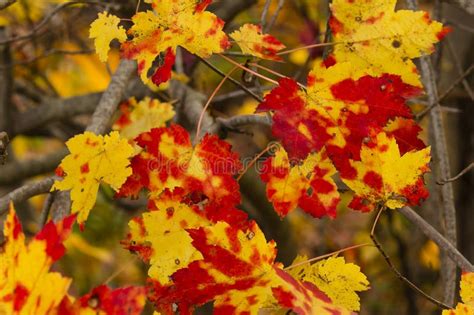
x,y
157,33
105,301
384,176
308,185
377,40
405,131
238,272
171,161
339,280
26,284
142,116
159,236
93,159
235,272
105,29
337,111
467,296
252,41
303,297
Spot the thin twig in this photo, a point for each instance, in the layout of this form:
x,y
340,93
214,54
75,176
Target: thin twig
x,y
25,192
275,15
327,255
45,21
235,63
459,67
263,17
47,208
395,270
452,179
111,97
239,84
460,79
436,237
201,117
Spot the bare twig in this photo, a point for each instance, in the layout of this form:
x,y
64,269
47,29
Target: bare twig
x,y
45,21
239,84
461,78
47,208
459,67
263,17
436,237
110,99
452,179
275,15
25,192
19,170
396,271
448,270
100,123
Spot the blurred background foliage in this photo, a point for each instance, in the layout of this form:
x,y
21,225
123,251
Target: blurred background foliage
x,y
59,62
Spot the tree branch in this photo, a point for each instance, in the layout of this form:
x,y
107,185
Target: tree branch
x,y
25,192
55,109
436,237
111,98
19,170
441,156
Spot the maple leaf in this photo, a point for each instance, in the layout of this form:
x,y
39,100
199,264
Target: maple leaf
x,y
142,116
377,40
405,131
239,273
252,41
235,272
171,161
28,287
93,159
384,176
24,269
103,30
467,297
339,280
159,236
105,301
303,297
172,23
337,111
308,185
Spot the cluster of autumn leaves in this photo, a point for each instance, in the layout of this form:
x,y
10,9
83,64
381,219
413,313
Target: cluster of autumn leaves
x,y
351,119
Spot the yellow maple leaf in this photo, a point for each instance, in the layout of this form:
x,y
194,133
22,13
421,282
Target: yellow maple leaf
x,y
93,159
142,116
467,297
376,39
383,176
252,41
26,287
339,280
467,288
103,30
